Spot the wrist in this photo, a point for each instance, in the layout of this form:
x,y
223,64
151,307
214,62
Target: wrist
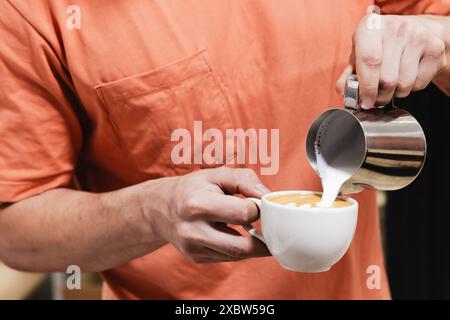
x,y
125,205
153,203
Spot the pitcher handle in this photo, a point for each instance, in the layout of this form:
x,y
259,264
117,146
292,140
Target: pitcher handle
x,y
351,94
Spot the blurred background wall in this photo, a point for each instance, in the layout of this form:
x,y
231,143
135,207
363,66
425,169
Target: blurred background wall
x,y
417,218
15,285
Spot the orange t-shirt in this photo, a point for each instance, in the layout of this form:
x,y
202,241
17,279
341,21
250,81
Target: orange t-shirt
x,y
95,91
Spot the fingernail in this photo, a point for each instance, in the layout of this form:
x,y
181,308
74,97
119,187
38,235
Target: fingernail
x,y
366,103
262,188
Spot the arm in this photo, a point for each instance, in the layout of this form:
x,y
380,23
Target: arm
x,y
97,232
61,227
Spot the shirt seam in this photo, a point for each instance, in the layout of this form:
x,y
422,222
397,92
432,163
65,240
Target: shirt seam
x,y
36,30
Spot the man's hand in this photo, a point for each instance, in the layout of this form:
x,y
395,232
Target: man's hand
x,y
198,208
393,57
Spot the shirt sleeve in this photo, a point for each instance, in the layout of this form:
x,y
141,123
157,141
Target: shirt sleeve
x,y
412,7
40,135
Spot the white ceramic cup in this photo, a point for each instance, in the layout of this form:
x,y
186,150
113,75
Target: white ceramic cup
x,y
305,239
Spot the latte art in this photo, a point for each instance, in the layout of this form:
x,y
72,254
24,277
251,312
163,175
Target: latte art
x,y
305,201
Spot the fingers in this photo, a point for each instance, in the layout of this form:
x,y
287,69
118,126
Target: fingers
x,y
401,56
199,229
340,84
432,62
393,44
349,69
218,207
206,255
426,70
409,70
214,206
225,240
368,60
237,181
209,243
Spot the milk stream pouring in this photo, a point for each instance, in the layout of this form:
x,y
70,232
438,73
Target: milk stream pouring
x,y
335,166
352,149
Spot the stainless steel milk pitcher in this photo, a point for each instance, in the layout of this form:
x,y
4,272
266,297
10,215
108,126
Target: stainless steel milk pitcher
x,y
384,148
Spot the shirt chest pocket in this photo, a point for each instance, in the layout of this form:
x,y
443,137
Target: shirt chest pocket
x,y
146,109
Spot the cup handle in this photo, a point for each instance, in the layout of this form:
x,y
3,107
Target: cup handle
x,y
251,229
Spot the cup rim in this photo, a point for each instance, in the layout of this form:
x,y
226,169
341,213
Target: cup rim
x,y
334,210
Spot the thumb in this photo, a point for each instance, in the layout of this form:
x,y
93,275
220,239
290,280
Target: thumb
x,y
237,181
349,69
340,84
